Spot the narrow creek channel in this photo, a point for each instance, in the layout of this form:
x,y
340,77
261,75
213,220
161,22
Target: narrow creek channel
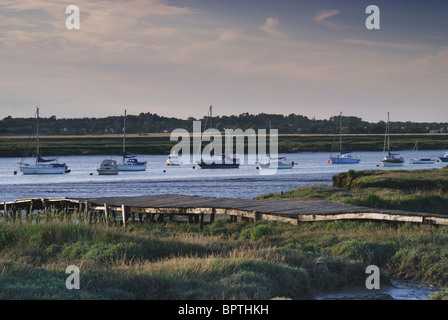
x,y
397,290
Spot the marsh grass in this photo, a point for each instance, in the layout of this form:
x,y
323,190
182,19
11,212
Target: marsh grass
x,y
226,260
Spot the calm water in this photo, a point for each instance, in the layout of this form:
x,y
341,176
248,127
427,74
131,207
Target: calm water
x,y
245,182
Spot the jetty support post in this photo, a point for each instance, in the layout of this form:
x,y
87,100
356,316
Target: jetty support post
x,y
256,217
106,214
201,221
5,212
123,214
86,210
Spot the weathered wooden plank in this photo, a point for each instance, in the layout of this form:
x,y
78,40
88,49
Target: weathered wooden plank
x,y
365,215
270,217
436,220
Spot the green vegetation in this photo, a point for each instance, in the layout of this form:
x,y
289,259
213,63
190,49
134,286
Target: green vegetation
x,y
150,133
152,143
225,260
423,190
153,123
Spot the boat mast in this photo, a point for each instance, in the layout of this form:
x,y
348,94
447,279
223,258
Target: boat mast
x,y
124,136
388,133
211,117
37,135
386,136
340,133
416,149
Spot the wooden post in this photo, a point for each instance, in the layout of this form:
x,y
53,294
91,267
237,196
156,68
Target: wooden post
x,y
106,214
123,213
212,216
201,221
79,211
86,209
30,211
256,217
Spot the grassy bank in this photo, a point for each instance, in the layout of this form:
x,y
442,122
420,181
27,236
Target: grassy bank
x,y
410,190
159,143
226,260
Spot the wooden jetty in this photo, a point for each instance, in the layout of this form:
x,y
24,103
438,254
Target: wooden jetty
x,y
152,208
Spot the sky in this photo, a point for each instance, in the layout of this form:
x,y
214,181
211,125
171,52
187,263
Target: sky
x,y
176,58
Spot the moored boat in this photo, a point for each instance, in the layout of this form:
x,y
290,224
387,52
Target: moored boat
x,y
130,162
344,157
390,159
418,160
41,165
108,167
225,161
222,162
173,160
444,158
277,163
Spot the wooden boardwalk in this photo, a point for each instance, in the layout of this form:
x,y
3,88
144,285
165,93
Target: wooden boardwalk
x,y
204,209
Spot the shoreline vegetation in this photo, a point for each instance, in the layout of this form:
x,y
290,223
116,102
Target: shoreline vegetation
x,y
159,143
238,260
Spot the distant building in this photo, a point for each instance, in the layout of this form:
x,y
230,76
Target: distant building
x,y
436,130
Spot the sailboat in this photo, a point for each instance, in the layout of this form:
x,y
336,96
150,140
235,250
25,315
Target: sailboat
x,y
277,163
444,158
418,160
130,163
389,159
226,161
344,157
41,165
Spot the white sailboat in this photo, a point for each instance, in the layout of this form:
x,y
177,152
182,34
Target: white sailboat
x,y
390,159
418,160
344,157
41,165
130,163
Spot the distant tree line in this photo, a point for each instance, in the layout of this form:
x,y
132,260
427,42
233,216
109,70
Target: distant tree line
x,y
153,123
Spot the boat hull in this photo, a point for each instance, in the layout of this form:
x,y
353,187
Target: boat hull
x,y
392,163
422,161
276,166
443,159
107,172
214,165
128,167
43,169
344,160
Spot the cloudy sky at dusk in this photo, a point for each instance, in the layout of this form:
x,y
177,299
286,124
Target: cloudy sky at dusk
x,y
175,58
